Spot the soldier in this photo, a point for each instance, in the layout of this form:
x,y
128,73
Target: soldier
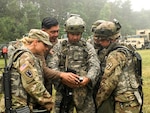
x,y
107,106
92,39
27,88
78,56
119,77
51,26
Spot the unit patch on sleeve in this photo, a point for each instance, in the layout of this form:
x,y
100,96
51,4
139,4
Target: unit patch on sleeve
x,y
26,69
109,65
28,73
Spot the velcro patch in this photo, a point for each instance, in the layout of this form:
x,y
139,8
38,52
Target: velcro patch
x,y
28,73
22,67
109,65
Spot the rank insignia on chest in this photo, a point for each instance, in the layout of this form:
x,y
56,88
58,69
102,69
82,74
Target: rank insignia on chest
x,y
28,73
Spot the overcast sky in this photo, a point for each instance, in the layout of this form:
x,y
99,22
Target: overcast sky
x,y
137,5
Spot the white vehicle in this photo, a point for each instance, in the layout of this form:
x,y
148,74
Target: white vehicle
x,y
138,43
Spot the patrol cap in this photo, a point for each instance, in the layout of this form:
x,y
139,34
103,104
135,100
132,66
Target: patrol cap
x,y
40,35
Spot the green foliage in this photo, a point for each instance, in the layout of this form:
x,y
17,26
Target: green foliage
x,y
105,12
2,63
17,17
11,29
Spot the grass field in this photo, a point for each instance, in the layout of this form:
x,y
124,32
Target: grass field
x,y
146,77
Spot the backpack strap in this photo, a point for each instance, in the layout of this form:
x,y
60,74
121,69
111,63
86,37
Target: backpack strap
x,y
13,59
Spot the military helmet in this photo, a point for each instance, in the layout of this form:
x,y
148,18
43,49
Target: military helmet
x,y
74,24
95,24
107,30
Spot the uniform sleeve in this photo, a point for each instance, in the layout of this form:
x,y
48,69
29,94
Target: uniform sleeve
x,y
53,59
31,80
48,72
51,74
114,63
94,64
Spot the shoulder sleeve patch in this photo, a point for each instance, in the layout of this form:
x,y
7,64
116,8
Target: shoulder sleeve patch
x,y
27,70
28,73
109,65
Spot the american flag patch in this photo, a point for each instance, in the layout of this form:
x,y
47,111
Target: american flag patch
x,y
23,67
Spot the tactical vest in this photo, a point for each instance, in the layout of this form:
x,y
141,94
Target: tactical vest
x,y
74,56
18,92
128,80
13,46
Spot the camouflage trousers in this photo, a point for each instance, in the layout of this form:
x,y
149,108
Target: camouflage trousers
x,y
88,107
107,106
127,107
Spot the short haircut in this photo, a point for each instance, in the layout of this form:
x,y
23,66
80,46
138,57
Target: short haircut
x,y
49,22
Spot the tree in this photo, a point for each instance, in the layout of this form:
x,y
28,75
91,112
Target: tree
x,y
17,17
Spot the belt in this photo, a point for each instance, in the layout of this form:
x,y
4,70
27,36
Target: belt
x,y
40,111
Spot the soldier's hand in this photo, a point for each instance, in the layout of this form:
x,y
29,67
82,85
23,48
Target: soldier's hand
x,y
84,82
71,85
69,78
46,102
49,106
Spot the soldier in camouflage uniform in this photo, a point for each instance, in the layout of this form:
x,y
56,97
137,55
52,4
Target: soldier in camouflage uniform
x,y
27,83
79,56
92,39
119,78
51,26
107,106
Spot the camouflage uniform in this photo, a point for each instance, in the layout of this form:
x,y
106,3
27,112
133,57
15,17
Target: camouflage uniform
x,y
107,106
50,25
48,73
13,46
82,58
49,82
27,82
30,81
119,78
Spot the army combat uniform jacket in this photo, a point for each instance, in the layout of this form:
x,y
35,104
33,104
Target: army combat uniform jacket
x,y
27,78
80,57
119,80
